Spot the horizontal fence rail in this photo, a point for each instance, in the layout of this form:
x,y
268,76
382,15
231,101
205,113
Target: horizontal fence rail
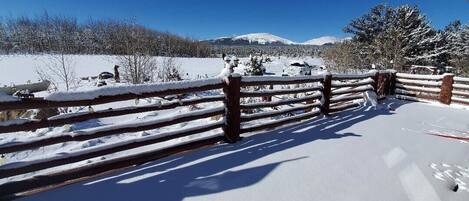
x,y
101,96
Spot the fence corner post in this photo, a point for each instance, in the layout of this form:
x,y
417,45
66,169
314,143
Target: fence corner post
x,y
375,77
326,93
233,112
446,89
392,82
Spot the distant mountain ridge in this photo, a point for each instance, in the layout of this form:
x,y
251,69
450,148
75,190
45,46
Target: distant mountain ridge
x,y
270,39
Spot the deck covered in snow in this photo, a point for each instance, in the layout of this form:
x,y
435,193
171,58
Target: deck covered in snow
x,y
361,154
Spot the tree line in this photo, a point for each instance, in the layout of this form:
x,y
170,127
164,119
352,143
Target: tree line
x,y
54,34
271,50
397,37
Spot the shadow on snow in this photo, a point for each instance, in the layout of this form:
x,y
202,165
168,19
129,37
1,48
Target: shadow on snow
x,y
210,170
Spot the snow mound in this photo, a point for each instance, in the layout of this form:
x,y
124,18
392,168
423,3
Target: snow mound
x,y
263,38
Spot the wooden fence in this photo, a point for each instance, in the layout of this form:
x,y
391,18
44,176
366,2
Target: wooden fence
x,y
445,89
312,96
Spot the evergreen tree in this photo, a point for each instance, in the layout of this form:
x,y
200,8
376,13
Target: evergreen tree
x,y
254,66
395,37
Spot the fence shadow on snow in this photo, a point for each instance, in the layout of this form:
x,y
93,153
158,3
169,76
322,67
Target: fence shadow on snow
x,y
205,171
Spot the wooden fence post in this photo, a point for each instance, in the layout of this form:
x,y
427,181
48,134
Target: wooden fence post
x,y
392,83
326,83
268,98
375,78
233,111
384,83
446,89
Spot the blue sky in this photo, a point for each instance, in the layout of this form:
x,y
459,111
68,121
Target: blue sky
x,y
297,20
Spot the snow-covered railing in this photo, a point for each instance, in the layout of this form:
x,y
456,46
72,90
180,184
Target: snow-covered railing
x,y
418,87
347,90
419,77
30,166
354,77
99,96
306,97
460,93
444,88
113,94
302,100
24,124
276,80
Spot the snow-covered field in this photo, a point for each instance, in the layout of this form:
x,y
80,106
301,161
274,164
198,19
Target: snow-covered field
x,y
359,154
18,69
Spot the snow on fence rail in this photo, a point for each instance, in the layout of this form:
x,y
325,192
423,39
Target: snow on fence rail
x,y
307,97
112,94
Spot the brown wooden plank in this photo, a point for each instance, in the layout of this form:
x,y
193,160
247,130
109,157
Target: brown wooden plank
x,y
361,77
281,102
461,93
420,96
8,148
41,103
342,107
286,82
355,84
346,98
353,90
278,112
104,113
278,92
284,121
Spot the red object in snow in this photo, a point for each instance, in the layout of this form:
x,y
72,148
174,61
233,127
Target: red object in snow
x,y
450,137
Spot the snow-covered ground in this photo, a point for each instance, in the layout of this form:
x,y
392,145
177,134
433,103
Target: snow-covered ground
x,y
359,154
18,69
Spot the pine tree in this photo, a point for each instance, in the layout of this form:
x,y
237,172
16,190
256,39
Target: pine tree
x,y
370,25
460,56
254,66
418,37
395,37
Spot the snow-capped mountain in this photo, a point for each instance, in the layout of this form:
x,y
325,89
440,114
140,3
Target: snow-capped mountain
x,y
252,39
263,38
322,40
270,39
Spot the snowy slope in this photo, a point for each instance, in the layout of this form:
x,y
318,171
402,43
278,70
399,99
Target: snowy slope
x,y
263,38
322,40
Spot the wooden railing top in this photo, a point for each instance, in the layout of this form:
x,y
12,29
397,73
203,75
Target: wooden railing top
x,y
354,76
279,80
420,77
112,94
462,79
